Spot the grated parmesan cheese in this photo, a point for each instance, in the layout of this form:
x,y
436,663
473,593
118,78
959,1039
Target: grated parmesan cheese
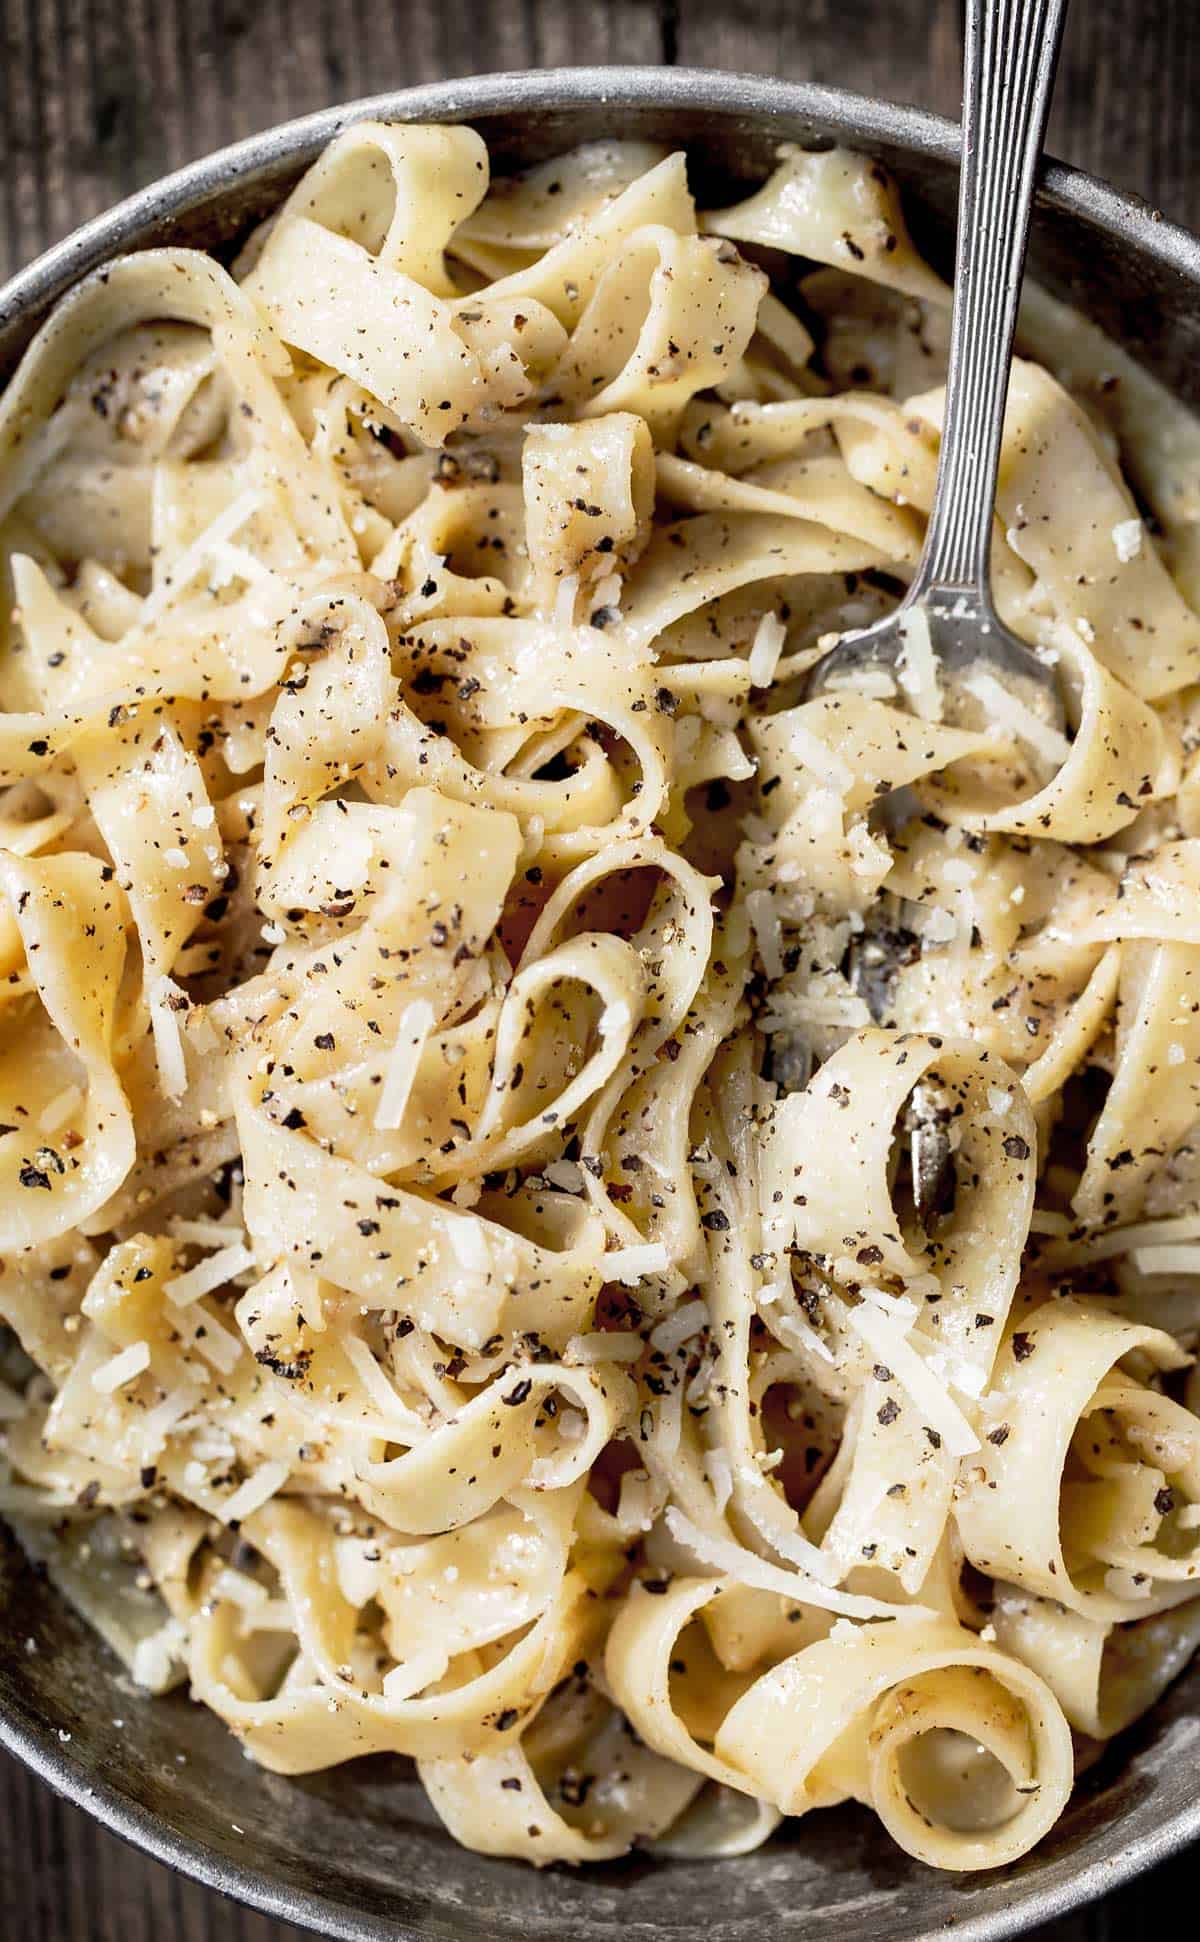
x,y
604,1345
765,650
763,912
629,1265
687,1320
565,597
904,1310
124,1367
414,1674
1005,711
193,557
608,594
164,997
258,1489
157,1424
416,1023
722,1554
930,1394
468,1240
379,1389
1127,539
205,1233
637,1504
155,1657
213,1342
358,1576
218,1268
567,1175
917,668
817,756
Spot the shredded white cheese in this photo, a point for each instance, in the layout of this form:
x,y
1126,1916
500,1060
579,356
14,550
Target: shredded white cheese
x,y
1127,539
213,1272
565,597
1006,711
124,1367
414,1674
416,1023
679,1327
604,1345
193,558
763,912
258,1489
765,650
165,997
1180,1259
917,668
817,756
630,1265
930,1394
468,1239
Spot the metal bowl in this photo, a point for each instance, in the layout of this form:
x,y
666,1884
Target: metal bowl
x,y
357,1852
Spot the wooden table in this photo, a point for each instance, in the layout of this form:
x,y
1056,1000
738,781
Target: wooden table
x,y
98,96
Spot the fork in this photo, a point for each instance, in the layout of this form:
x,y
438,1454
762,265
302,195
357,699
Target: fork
x,y
1008,76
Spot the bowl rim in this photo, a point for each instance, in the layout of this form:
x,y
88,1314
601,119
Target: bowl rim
x,y
36,287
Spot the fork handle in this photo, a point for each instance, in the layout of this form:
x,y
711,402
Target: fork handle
x,y
1008,76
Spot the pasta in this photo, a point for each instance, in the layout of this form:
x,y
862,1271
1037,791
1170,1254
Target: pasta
x,y
571,1210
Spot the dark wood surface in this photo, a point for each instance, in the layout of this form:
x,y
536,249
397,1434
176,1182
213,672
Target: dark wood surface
x,y
99,96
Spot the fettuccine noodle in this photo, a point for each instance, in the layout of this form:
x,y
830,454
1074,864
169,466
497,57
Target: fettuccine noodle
x,y
570,1211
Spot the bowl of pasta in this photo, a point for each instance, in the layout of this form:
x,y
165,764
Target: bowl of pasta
x,y
596,1250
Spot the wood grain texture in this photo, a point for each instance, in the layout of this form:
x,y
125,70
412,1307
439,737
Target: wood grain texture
x,y
100,96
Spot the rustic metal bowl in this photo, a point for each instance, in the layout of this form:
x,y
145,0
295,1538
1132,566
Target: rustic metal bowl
x,y
357,1852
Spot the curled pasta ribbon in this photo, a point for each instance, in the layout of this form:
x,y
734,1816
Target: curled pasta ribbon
x,y
1112,1448
526,214
509,1437
826,1189
589,494
449,1271
1105,1674
819,488
566,276
398,191
847,1717
187,287
327,1706
562,671
71,918
140,405
1121,757
667,318
1151,1104
698,560
834,207
826,1171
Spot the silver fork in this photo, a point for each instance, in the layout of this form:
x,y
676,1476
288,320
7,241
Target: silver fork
x,y
1008,76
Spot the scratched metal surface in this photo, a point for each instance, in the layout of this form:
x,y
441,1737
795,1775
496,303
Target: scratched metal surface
x,y
99,96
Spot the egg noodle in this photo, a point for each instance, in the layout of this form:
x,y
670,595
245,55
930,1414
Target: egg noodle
x,y
569,1211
